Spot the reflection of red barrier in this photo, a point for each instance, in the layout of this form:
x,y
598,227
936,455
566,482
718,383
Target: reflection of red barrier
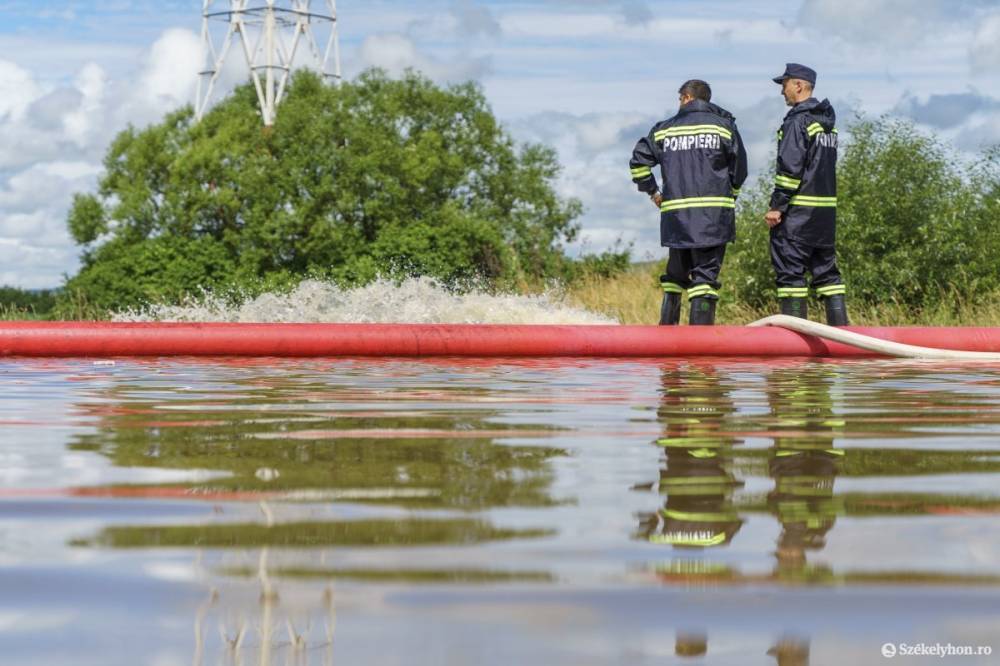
x,y
428,340
143,492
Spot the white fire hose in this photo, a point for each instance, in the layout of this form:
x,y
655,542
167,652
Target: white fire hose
x,y
884,347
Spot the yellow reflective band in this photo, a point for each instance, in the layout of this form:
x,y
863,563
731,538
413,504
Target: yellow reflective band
x,y
687,130
781,134
831,290
816,202
642,172
698,202
660,136
699,517
690,442
793,292
671,288
736,191
689,538
816,128
702,290
703,454
787,182
697,481
715,492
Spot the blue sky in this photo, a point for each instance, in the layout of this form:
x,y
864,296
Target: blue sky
x,y
586,76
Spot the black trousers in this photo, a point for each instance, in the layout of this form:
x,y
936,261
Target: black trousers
x,y
792,260
695,270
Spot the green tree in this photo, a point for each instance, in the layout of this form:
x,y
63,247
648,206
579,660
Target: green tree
x,y
916,223
374,177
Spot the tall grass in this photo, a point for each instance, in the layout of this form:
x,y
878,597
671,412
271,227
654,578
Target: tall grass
x,y
18,313
73,306
634,296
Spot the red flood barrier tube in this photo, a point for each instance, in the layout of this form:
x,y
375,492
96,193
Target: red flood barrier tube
x,y
104,340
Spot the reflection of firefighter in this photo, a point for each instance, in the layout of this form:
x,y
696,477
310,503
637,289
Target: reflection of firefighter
x,y
691,644
791,652
697,477
803,463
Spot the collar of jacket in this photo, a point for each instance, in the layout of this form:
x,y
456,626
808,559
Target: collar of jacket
x,y
822,110
705,107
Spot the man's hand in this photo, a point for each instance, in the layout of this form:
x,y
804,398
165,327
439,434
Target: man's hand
x,y
656,198
773,218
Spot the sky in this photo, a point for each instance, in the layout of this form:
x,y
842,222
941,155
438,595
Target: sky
x,y
587,77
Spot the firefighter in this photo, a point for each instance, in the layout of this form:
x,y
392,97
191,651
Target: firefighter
x,y
803,214
702,165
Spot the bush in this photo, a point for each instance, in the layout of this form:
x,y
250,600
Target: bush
x,y
376,177
915,225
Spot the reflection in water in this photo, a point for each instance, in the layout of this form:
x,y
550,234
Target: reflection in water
x,y
790,652
356,512
696,478
307,441
803,463
398,450
809,408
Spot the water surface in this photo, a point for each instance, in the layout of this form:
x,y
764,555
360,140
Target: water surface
x,y
496,512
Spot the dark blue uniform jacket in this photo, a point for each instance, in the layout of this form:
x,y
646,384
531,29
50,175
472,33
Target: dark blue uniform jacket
x,y
702,165
805,184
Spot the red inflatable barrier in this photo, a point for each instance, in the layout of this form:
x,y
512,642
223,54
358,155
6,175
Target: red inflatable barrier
x,y
102,340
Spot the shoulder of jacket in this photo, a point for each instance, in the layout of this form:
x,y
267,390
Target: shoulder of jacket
x,y
796,120
669,122
724,117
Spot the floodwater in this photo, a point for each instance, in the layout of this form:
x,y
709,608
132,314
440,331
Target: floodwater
x,y
498,512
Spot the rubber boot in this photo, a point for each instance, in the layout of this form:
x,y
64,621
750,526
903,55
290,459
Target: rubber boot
x,y
670,311
702,311
836,310
795,307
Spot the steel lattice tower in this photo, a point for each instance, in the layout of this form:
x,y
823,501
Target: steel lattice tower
x,y
275,36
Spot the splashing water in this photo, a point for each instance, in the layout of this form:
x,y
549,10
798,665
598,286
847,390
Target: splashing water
x,y
414,301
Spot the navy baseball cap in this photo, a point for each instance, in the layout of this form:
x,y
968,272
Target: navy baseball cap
x,y
796,71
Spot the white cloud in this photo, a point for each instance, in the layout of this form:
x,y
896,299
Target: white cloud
x,y
171,71
18,90
473,19
883,22
665,30
594,151
946,110
585,76
984,51
81,122
53,138
395,53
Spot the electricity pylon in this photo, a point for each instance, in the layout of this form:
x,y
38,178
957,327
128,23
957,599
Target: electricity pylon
x,y
271,34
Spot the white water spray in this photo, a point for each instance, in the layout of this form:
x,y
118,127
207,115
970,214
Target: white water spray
x,y
414,301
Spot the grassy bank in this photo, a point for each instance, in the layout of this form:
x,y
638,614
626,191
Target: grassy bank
x,y
634,297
